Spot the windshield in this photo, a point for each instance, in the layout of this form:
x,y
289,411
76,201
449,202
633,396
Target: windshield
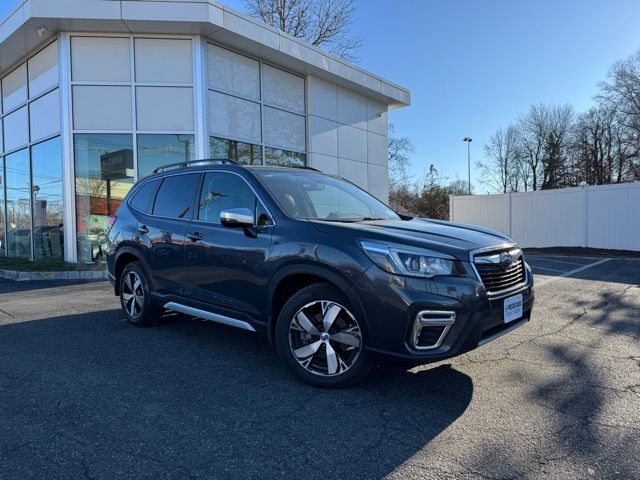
x,y
315,196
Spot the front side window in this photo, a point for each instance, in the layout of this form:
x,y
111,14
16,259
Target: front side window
x,y
315,196
223,191
175,196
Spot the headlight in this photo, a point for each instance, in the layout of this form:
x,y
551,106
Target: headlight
x,y
403,260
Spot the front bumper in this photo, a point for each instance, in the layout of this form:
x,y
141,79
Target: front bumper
x,y
392,303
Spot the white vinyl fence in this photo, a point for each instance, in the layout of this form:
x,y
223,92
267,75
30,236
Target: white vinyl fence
x,y
603,216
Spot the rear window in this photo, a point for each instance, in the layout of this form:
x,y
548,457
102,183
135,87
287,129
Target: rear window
x,y
175,196
142,198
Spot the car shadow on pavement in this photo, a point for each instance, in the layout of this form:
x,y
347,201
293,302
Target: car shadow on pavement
x,y
91,395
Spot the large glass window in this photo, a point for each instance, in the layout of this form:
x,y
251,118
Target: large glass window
x,y
46,165
157,150
30,176
2,241
104,175
256,111
18,204
241,152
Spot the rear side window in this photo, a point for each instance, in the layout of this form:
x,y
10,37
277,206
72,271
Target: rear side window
x,y
175,196
142,198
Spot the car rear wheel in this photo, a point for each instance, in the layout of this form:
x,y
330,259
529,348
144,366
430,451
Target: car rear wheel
x,y
320,338
135,299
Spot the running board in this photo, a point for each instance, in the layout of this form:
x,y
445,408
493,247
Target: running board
x,y
214,317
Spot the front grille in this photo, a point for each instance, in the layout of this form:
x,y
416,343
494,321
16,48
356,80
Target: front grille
x,y
495,277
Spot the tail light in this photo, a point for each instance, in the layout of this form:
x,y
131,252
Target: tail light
x,y
110,221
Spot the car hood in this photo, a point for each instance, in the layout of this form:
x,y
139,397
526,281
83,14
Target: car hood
x,y
457,239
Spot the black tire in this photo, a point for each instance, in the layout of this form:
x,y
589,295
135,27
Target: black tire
x,y
144,311
348,361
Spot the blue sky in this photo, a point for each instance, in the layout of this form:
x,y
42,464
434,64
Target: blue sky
x,y
473,65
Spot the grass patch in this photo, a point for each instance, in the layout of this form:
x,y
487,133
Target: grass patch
x,y
45,265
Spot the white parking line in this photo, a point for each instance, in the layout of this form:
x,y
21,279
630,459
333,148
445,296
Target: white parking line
x,y
553,279
546,268
547,259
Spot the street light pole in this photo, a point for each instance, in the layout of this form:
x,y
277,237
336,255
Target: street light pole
x,y
468,140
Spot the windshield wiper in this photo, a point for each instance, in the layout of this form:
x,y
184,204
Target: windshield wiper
x,y
369,219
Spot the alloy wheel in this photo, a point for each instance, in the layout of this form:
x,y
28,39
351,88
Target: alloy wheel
x,y
325,338
133,294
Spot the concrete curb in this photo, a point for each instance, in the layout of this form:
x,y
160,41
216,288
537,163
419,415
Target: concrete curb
x,y
70,275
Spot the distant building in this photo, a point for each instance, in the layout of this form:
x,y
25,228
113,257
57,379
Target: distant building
x,y
98,93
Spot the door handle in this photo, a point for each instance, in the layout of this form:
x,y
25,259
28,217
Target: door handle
x,y
194,237
143,229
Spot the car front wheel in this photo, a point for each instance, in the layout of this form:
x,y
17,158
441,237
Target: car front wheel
x,y
320,338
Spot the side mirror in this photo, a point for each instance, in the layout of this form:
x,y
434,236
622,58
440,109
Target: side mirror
x,y
237,218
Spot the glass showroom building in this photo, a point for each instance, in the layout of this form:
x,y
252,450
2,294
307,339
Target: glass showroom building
x,y
97,93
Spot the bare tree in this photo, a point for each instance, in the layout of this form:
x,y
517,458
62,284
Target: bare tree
x,y
398,152
322,23
498,170
622,92
560,120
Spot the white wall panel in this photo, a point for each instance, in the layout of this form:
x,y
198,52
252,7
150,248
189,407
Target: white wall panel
x,y
164,109
325,163
44,115
43,70
352,143
352,108
102,108
100,59
163,60
16,129
353,171
14,88
323,136
377,121
378,181
323,98
377,149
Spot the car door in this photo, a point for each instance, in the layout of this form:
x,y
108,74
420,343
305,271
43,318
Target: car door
x,y
227,267
163,231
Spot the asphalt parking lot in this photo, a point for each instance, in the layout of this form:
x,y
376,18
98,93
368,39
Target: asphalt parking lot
x,y
85,395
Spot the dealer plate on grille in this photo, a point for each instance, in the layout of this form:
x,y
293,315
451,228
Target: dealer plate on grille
x,y
512,308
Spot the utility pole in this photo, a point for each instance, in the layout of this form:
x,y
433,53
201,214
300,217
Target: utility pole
x,y
468,140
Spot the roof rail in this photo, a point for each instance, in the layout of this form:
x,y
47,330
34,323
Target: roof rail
x,y
206,161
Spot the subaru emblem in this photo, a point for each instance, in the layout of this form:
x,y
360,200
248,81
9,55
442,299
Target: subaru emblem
x,y
506,260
